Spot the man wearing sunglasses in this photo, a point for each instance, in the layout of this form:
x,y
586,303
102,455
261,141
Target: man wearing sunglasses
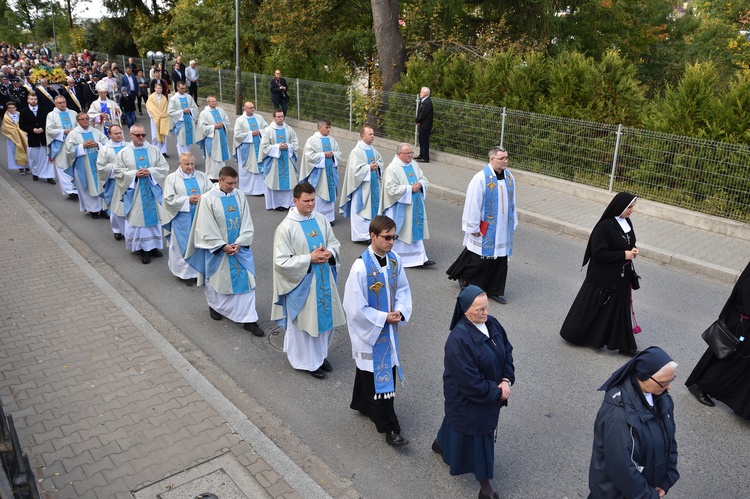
x,y
140,170
377,299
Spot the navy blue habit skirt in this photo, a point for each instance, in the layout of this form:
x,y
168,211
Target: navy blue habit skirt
x,y
467,454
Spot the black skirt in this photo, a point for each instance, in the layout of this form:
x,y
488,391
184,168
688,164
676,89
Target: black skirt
x,y
601,317
727,379
489,274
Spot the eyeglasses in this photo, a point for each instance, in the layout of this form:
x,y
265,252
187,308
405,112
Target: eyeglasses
x,y
139,135
665,384
407,153
388,238
504,158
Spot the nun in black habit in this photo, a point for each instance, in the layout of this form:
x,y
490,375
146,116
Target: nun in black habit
x,y
601,313
727,379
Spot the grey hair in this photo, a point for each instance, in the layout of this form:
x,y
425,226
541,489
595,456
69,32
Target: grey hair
x,y
401,146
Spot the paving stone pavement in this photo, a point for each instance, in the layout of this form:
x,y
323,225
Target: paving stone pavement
x,y
100,409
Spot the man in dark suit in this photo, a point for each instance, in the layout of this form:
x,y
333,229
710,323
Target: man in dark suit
x,y
46,97
178,74
424,122
73,96
130,90
279,95
33,121
160,80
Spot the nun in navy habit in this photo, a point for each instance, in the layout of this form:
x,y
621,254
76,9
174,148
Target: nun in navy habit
x,y
476,383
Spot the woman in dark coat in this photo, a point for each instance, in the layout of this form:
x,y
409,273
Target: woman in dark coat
x,y
476,382
727,379
635,452
601,313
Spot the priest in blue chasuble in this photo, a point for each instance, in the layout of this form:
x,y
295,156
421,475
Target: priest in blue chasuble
x,y
362,186
319,167
105,168
140,170
306,256
183,118
220,250
489,222
82,151
182,192
248,131
278,158
404,191
213,124
377,301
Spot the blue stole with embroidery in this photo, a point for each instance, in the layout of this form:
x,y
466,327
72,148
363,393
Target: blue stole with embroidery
x,y
181,223
511,187
150,193
79,166
222,135
378,298
109,186
187,122
105,109
283,161
56,145
491,208
241,263
332,174
374,186
253,123
417,209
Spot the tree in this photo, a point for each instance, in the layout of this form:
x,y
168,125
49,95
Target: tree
x,y
390,43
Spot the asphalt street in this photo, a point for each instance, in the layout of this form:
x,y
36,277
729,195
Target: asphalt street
x,y
544,435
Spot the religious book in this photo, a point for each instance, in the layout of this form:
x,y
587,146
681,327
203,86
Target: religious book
x,y
483,227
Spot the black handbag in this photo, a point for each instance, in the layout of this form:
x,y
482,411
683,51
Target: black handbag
x,y
635,279
720,340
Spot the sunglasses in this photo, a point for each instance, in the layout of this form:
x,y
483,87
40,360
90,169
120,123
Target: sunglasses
x,y
139,135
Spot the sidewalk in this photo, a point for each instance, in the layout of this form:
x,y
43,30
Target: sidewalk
x,y
713,247
104,405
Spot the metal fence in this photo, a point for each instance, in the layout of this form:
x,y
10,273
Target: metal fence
x,y
701,175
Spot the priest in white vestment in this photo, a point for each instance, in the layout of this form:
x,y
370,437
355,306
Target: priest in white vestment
x,y
60,122
489,222
17,142
404,190
306,256
319,167
214,143
361,189
183,118
82,149
140,171
278,157
182,192
105,167
104,111
377,301
247,136
220,249
157,107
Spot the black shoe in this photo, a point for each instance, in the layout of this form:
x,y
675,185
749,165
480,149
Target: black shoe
x,y
700,395
165,155
630,353
485,496
214,314
281,208
28,170
73,196
95,215
145,258
395,439
22,171
327,367
51,181
104,214
499,298
333,223
420,160
417,157
254,328
35,178
119,237
155,252
428,263
318,374
463,284
436,447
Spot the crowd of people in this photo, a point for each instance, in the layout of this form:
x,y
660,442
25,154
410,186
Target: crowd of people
x,y
74,136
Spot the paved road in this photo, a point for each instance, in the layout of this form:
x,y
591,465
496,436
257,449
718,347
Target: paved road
x,y
544,437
